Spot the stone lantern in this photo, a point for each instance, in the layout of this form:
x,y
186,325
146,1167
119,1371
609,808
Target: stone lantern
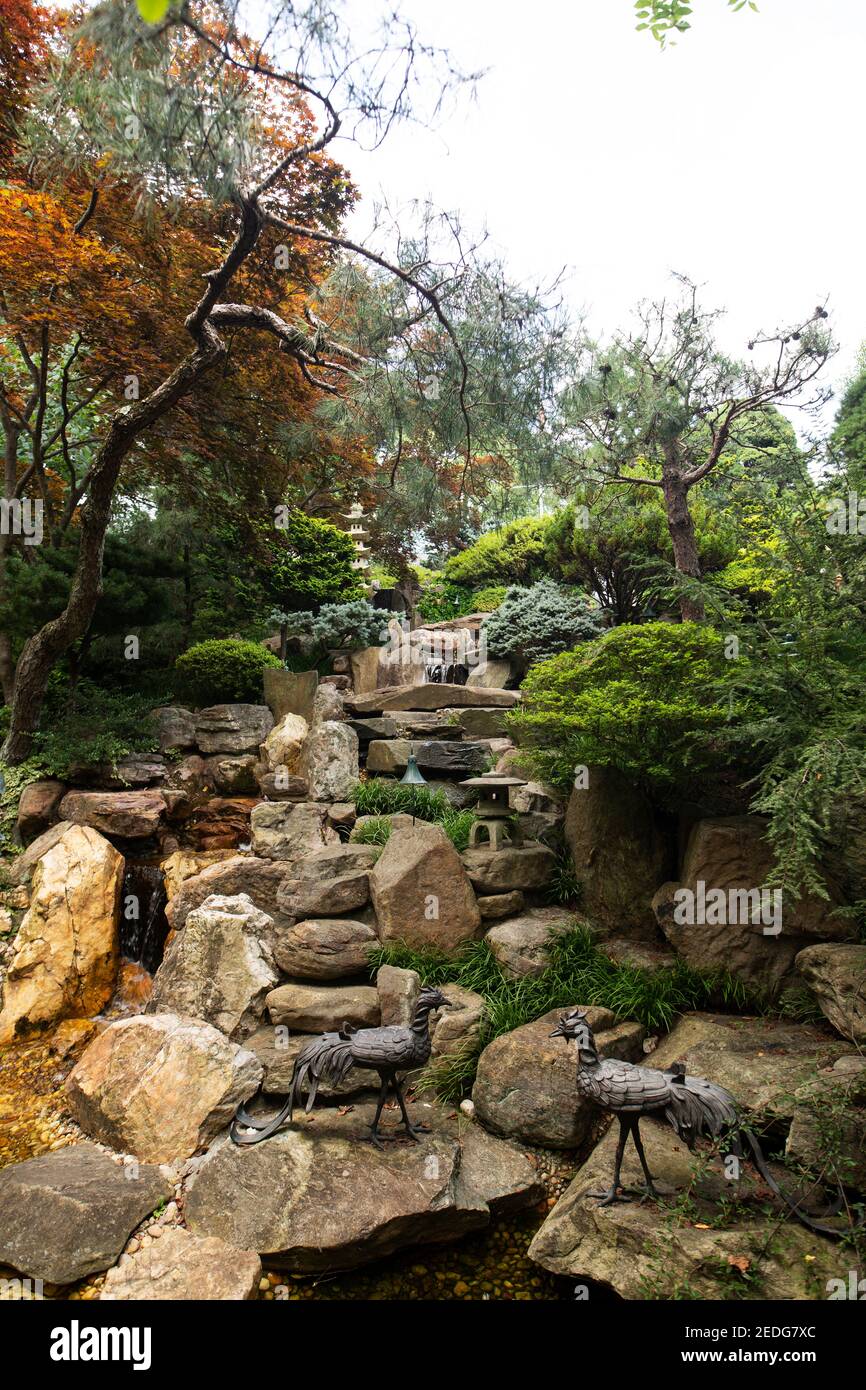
x,y
493,811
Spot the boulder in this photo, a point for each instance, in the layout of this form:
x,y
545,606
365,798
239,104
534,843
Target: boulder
x,y
232,728
421,893
290,692
645,1252
160,1086
455,1029
330,760
181,1266
516,867
39,808
491,675
425,723
127,815
283,745
400,820
324,948
290,831
281,786
536,797
175,728
827,1134
189,775
329,882
328,705
452,758
342,814
430,697
69,1213
277,1051
731,854
64,959
373,728
837,977
323,1008
388,755
522,943
219,968
133,770
761,1061
233,774
499,905
525,1086
231,874
223,822
480,723
398,991
317,1197
364,668
644,955
21,869
620,853
183,864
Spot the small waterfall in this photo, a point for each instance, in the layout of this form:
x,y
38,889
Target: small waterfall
x,y
143,923
446,673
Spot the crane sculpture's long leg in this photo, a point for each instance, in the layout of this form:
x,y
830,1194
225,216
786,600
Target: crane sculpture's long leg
x,y
613,1193
383,1095
651,1189
412,1130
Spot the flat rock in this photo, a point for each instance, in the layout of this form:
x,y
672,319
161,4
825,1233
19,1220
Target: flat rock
x,y
528,866
127,815
492,674
220,967
329,882
160,1086
324,948
389,756
69,1213
232,728
319,1197
499,905
480,723
525,1084
323,1008
521,945
430,697
837,977
182,1266
761,1061
290,831
421,893
290,692
646,1251
451,757
64,956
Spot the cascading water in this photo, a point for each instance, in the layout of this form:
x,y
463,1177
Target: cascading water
x,y
446,673
143,923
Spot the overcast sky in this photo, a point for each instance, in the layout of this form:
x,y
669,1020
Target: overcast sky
x,y
735,157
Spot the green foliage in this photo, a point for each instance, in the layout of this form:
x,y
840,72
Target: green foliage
x,y
223,671
440,600
536,623
512,555
350,625
612,540
456,825
849,434
578,973
665,17
92,727
488,600
310,564
641,699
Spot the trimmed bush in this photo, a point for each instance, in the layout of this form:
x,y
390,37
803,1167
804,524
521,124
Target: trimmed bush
x,y
646,700
488,600
223,671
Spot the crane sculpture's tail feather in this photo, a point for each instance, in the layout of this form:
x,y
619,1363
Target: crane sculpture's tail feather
x,y
327,1058
700,1109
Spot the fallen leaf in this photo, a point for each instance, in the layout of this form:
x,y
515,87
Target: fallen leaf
x,y
740,1262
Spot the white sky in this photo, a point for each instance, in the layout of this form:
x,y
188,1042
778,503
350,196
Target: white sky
x,y
735,157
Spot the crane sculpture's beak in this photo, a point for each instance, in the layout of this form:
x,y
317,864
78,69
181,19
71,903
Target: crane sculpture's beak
x,y
559,1032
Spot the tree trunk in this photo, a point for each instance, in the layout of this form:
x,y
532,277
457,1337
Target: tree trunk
x,y
44,648
682,534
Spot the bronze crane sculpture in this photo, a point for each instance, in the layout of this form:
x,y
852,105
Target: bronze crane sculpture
x,y
330,1057
694,1107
